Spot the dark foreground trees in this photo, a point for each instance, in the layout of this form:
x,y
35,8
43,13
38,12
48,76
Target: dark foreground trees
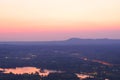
x,y
19,77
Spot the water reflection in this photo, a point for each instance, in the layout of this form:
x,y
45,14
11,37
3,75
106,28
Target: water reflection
x,y
102,62
29,70
83,76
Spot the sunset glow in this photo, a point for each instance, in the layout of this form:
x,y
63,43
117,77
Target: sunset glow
x,y
38,20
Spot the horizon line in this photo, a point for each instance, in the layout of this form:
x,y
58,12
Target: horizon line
x,y
60,39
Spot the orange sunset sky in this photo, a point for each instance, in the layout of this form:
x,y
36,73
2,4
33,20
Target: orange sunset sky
x,y
38,20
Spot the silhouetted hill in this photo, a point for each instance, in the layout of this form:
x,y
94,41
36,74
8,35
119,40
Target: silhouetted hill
x,y
71,41
92,41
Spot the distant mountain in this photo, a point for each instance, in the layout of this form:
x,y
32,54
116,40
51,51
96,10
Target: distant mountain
x,y
92,41
71,41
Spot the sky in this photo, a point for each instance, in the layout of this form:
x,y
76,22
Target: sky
x,y
46,20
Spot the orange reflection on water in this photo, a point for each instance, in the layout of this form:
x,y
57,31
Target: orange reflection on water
x,y
29,70
83,76
102,62
22,70
1,69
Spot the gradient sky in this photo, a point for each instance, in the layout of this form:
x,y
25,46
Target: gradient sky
x,y
34,20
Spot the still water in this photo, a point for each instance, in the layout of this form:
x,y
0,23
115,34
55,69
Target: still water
x,y
29,70
33,70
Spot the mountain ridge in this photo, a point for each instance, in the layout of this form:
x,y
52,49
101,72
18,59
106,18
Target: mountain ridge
x,y
70,41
